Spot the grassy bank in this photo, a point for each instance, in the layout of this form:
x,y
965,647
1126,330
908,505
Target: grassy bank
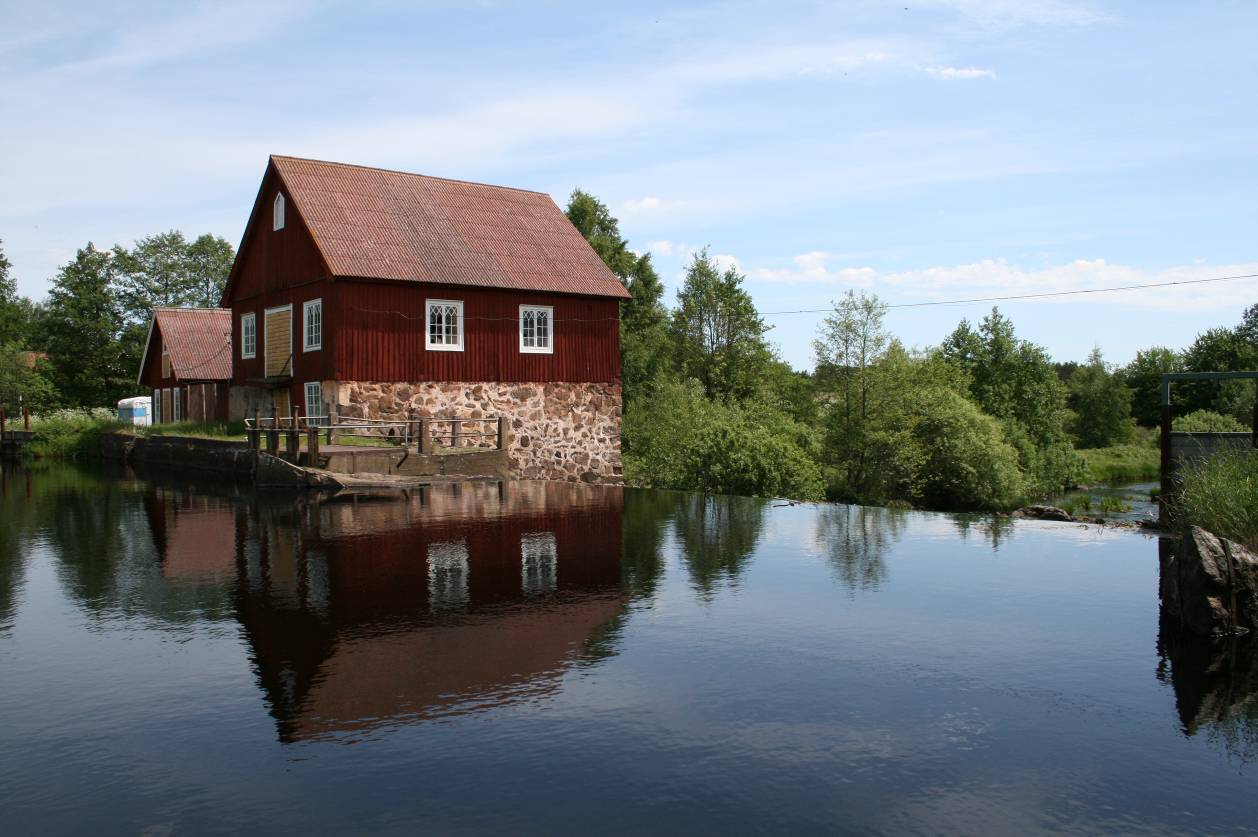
x,y
1121,464
234,430
1221,496
70,434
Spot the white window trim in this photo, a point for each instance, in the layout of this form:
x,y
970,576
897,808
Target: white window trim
x,y
443,347
175,406
266,351
305,325
245,353
306,390
550,325
278,211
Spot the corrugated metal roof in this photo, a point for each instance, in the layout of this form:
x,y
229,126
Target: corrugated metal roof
x,y
198,340
381,224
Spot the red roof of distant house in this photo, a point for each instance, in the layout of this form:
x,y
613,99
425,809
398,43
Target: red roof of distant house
x,y
198,341
381,224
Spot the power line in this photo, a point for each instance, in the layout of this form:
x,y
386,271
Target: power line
x,y
1029,296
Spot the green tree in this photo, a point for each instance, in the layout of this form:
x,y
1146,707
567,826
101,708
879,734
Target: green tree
x,y
1101,403
595,221
13,309
84,326
24,380
1143,376
718,334
644,340
851,342
168,270
1014,381
1219,350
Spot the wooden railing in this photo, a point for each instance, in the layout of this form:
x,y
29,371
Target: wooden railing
x,y
425,435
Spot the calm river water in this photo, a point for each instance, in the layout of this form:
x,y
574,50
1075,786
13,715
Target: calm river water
x,y
542,658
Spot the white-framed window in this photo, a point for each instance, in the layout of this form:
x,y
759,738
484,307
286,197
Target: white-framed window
x,y
312,329
248,335
444,325
176,405
314,400
537,333
277,212
157,406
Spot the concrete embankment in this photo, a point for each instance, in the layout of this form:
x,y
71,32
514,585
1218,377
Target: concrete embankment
x,y
233,460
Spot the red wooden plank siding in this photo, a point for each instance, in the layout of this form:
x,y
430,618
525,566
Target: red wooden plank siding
x,y
379,335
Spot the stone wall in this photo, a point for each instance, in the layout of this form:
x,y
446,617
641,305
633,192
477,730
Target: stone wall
x,y
559,431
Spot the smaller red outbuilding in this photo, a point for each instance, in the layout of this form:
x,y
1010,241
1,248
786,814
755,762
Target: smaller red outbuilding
x,y
187,363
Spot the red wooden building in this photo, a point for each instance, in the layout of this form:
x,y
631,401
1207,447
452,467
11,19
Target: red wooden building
x,y
187,363
382,294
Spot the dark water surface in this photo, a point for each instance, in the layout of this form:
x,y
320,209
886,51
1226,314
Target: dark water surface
x,y
540,658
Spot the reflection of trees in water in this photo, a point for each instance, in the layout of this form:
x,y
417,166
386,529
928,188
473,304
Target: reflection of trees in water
x,y
717,536
647,514
854,539
107,538
1216,686
995,529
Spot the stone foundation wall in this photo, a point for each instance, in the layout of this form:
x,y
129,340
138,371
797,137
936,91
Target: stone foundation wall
x,y
559,431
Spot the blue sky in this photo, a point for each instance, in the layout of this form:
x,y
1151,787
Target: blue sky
x,y
919,150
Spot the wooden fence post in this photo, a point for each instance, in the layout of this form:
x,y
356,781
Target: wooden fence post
x,y
26,418
503,441
456,433
425,437
312,445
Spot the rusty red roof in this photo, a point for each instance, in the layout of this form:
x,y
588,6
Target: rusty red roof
x,y
198,340
381,224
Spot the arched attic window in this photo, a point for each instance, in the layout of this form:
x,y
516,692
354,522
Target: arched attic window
x,y
277,213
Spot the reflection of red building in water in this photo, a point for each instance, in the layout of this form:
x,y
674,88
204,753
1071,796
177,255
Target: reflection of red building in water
x,y
363,611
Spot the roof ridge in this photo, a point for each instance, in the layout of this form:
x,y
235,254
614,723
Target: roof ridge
x,y
189,308
409,174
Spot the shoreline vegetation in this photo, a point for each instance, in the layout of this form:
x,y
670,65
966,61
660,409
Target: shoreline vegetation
x,y
983,421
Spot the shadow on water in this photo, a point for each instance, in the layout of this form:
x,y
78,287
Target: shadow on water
x,y
1216,686
1215,680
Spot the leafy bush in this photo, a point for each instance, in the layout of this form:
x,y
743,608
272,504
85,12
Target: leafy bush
x,y
1208,421
679,438
1220,495
71,434
967,464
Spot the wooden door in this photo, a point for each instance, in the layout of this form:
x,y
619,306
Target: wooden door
x,y
278,341
167,414
280,400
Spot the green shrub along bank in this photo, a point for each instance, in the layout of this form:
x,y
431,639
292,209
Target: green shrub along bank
x,y
1221,496
70,434
1208,421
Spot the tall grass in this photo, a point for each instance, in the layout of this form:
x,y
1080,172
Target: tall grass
x,y
1122,464
70,434
198,429
1220,494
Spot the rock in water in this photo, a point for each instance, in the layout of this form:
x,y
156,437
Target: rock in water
x,y
1046,513
1204,590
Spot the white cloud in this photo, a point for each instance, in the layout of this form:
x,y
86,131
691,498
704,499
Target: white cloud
x,y
959,73
726,262
999,278
660,248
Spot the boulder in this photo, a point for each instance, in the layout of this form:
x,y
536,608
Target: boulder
x,y
1209,585
1046,513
